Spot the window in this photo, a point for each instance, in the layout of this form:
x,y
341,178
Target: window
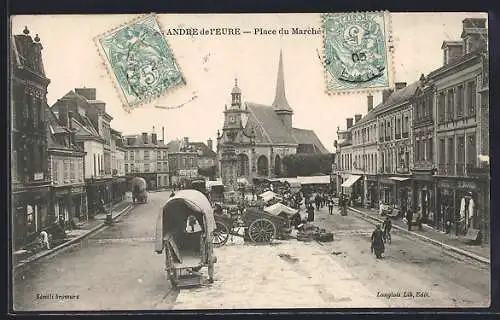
x,y
164,155
451,151
417,151
146,154
158,166
461,150
430,148
132,155
398,126
460,101
132,167
137,154
95,165
126,167
146,167
72,170
451,104
66,170
471,150
442,151
441,107
126,155
471,97
55,171
158,155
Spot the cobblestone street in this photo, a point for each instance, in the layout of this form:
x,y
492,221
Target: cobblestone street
x,y
117,269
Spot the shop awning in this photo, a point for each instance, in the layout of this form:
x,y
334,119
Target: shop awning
x,y
314,180
349,182
399,179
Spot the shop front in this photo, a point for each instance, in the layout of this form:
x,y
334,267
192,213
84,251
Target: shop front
x,y
353,186
97,190
30,213
395,191
371,191
119,188
460,211
424,198
79,202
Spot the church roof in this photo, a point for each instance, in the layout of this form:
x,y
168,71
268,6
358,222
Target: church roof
x,y
269,128
305,136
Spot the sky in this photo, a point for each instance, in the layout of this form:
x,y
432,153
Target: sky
x,y
211,63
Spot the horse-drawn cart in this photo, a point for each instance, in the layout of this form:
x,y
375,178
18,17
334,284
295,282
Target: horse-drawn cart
x,y
259,226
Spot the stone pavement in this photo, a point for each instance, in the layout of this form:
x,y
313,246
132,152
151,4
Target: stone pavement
x,y
84,229
285,274
482,251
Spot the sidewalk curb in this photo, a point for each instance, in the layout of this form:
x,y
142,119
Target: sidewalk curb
x,y
427,239
55,250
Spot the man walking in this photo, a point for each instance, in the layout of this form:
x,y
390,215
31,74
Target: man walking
x,y
409,218
330,205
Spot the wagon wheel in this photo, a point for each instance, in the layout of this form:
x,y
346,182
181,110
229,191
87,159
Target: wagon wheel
x,y
220,234
262,230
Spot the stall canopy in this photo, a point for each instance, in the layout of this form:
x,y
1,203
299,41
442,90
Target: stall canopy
x,y
278,208
350,181
268,196
314,180
399,179
210,184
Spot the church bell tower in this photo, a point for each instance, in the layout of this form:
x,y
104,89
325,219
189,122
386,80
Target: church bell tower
x,y
280,104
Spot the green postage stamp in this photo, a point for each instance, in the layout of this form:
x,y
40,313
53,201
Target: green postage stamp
x,y
357,52
141,61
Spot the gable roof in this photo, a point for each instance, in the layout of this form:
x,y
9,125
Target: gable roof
x,y
273,130
205,150
304,136
400,96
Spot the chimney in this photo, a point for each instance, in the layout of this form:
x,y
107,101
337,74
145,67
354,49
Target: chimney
x,y
452,50
209,144
370,102
474,34
357,117
163,134
400,85
349,123
88,93
153,138
145,137
386,94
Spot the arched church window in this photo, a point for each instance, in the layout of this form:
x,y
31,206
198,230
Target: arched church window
x,y
262,166
243,165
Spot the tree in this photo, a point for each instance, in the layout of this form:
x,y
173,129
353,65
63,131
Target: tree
x,y
307,164
207,172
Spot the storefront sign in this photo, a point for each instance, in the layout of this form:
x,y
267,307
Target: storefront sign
x,y
38,176
466,185
447,184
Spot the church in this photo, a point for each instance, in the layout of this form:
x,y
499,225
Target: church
x,y
255,137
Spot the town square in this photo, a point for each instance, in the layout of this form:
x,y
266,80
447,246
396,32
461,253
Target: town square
x,y
188,173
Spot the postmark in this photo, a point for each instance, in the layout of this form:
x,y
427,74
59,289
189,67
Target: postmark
x,y
357,51
140,61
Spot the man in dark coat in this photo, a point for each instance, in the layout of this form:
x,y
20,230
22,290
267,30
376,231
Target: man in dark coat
x,y
377,239
310,213
409,218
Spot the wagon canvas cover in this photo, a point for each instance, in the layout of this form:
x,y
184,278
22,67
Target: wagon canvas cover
x,y
278,208
195,201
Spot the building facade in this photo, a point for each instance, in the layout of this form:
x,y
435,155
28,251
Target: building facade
x,y
461,193
147,157
183,161
395,145
365,154
30,180
66,168
255,138
118,165
91,124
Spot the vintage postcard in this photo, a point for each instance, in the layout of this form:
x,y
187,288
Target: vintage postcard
x,y
249,161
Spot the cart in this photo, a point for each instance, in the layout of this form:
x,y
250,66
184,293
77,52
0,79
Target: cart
x,y
184,231
259,226
139,191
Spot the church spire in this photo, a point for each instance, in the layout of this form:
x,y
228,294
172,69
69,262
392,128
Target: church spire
x,y
280,103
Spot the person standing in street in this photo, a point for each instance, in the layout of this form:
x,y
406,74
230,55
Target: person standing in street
x,y
419,219
310,213
330,205
386,227
409,218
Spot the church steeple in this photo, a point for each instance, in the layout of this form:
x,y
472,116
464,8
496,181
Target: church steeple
x,y
236,95
280,104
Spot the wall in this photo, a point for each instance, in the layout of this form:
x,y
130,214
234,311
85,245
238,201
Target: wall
x,y
66,170
92,148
